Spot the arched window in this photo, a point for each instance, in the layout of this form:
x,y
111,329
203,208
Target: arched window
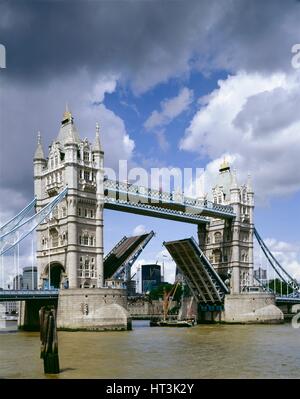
x,y
244,256
54,237
225,256
217,255
217,237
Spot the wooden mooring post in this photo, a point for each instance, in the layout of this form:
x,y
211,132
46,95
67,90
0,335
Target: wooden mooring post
x,y
49,342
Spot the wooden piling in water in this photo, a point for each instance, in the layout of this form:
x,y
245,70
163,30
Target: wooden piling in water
x,y
49,341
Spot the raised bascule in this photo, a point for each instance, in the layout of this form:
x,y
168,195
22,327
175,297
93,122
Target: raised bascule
x,y
71,192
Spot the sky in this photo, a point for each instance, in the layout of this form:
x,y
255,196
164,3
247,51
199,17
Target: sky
x,y
172,84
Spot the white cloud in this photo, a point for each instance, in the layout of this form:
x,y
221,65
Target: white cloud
x,y
102,86
287,254
41,108
113,135
139,230
170,109
253,119
162,140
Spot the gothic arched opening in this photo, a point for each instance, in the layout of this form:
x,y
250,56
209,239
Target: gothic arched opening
x,y
56,274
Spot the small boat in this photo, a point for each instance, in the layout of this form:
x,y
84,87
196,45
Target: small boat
x,y
166,321
172,323
175,323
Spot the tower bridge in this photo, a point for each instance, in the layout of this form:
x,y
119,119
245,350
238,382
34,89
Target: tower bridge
x,y
71,193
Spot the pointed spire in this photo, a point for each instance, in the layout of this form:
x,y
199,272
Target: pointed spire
x,y
249,184
234,184
71,139
39,152
97,145
68,132
67,117
224,165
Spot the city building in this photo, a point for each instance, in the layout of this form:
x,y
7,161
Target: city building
x,y
151,277
29,280
260,274
131,287
11,307
18,282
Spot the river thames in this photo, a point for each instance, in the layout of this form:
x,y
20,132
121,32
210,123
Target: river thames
x,y
203,351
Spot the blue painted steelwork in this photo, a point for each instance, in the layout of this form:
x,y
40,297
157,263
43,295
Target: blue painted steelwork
x,y
287,299
153,211
22,295
280,271
124,270
10,239
16,220
201,277
211,308
176,206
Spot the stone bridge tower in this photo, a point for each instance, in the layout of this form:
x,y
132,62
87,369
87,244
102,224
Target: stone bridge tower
x,y
229,244
70,241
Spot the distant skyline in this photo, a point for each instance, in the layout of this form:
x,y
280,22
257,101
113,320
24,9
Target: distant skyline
x,y
172,84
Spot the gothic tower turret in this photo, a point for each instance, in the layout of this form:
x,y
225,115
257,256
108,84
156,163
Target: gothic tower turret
x,y
70,242
98,157
229,243
39,163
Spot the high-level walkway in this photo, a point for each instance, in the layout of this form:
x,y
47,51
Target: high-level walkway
x,y
173,206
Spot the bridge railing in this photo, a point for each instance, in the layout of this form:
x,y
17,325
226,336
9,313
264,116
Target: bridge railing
x,y
19,295
140,193
29,292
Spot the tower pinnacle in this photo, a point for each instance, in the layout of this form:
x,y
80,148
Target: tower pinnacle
x,y
39,152
249,183
68,132
67,117
97,145
224,166
234,184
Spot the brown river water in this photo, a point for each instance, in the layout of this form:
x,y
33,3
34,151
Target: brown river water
x,y
203,351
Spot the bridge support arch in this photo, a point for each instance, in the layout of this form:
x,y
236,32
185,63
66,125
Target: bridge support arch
x,y
54,276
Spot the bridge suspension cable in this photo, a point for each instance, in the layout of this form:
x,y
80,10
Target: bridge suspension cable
x,y
280,271
17,219
11,238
